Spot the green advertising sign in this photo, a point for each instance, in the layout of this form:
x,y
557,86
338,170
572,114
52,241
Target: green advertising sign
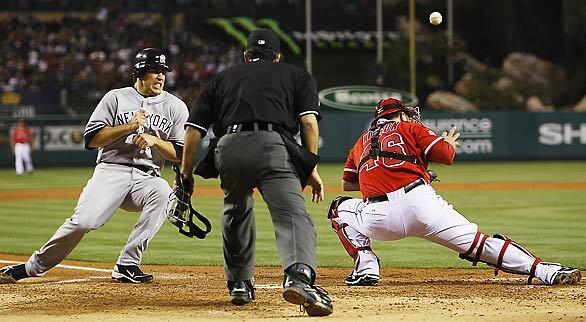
x,y
362,98
293,40
484,136
240,27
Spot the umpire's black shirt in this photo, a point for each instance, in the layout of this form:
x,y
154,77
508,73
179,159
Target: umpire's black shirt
x,y
258,91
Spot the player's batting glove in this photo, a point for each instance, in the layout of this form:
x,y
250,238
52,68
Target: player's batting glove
x,y
178,206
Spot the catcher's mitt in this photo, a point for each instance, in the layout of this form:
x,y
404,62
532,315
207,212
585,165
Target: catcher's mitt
x,y
433,176
179,210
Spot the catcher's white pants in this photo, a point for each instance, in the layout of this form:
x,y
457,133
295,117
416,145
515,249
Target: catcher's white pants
x,y
22,156
423,213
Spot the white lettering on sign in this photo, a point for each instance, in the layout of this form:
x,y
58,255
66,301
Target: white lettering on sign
x,y
476,133
363,98
475,147
468,128
558,134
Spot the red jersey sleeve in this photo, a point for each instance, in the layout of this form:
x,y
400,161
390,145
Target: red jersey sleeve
x,y
350,168
434,148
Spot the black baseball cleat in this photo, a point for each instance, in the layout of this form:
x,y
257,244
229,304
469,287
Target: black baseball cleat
x,y
11,274
299,289
362,279
241,292
567,275
130,274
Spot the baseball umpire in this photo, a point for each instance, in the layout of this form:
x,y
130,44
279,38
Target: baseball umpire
x,y
255,108
388,165
135,129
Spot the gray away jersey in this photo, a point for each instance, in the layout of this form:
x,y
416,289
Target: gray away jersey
x,y
167,115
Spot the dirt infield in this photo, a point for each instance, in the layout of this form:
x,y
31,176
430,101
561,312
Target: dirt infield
x,y
28,194
182,293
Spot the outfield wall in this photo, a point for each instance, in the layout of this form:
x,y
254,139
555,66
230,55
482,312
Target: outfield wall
x,y
485,136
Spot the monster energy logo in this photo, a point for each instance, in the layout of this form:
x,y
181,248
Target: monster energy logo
x,y
231,27
240,27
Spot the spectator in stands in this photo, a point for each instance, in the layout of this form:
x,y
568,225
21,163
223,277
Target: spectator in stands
x,y
86,57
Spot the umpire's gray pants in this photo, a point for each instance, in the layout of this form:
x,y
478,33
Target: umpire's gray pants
x,y
247,160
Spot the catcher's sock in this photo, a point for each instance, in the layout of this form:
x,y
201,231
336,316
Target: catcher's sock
x,y
367,263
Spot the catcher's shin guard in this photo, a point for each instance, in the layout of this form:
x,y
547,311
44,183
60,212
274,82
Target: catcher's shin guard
x,y
497,259
366,263
346,240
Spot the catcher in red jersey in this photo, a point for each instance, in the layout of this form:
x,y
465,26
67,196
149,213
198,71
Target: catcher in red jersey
x,y
388,165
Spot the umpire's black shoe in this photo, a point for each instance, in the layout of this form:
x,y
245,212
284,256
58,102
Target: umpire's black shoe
x,y
299,289
130,274
11,274
241,292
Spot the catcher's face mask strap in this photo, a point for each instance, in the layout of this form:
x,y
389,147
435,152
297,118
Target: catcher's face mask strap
x,y
192,229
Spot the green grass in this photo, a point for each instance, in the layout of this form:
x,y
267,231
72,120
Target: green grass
x,y
550,223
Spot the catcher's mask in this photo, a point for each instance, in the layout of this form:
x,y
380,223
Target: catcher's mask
x,y
186,225
192,229
391,105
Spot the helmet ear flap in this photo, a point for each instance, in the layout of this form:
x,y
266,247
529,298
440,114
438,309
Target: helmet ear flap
x,y
149,58
139,69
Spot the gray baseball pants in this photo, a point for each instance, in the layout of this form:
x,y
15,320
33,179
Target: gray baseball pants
x,y
259,159
112,186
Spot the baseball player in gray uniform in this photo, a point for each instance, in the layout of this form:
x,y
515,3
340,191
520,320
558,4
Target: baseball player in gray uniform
x,y
135,129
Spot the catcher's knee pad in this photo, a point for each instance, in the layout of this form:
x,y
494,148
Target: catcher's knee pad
x,y
497,261
333,210
352,249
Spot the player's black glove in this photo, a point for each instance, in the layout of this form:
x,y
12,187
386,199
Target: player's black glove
x,y
179,210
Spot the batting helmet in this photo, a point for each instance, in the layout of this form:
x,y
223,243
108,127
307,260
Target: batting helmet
x,y
391,105
149,58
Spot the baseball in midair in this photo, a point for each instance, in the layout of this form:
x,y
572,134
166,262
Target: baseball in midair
x,y
435,18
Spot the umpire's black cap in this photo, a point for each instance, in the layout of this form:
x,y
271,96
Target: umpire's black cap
x,y
264,38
